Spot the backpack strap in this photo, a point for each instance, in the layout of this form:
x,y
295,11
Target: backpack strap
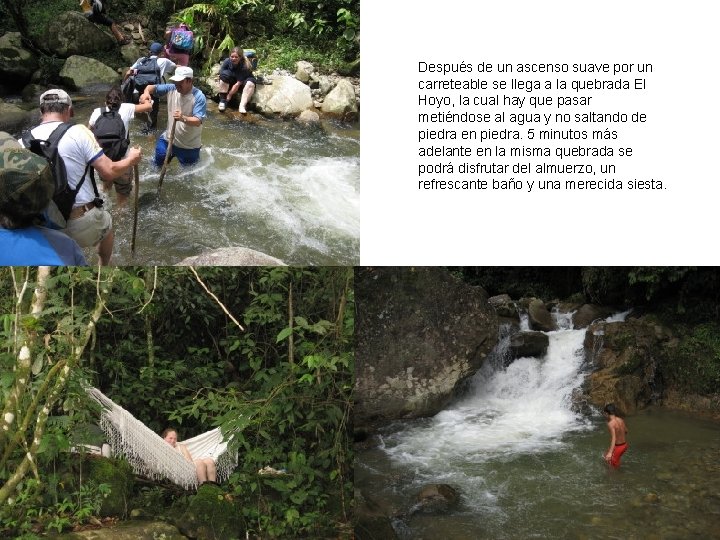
x,y
92,179
36,144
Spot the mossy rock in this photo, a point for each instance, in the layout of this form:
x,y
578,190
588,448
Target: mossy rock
x,y
119,475
350,69
211,516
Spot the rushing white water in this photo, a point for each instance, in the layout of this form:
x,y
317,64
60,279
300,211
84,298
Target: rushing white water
x,y
526,466
522,408
288,190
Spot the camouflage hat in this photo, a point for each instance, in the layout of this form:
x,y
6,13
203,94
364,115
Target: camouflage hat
x,y
26,182
8,142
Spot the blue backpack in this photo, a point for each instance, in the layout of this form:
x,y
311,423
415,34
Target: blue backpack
x,y
182,39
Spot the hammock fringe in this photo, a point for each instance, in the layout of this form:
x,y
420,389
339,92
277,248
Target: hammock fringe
x,y
149,455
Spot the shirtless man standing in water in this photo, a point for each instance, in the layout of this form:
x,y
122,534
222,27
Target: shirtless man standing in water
x,y
618,430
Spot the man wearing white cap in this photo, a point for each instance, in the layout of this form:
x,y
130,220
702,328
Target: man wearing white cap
x,y
89,223
187,108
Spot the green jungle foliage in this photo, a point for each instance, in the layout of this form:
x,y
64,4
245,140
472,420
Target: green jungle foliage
x,y
686,299
171,353
696,366
545,282
326,32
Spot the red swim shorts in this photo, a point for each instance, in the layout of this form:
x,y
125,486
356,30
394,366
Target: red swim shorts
x,y
618,451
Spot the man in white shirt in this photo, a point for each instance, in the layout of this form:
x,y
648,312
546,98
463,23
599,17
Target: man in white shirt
x,y
151,69
89,224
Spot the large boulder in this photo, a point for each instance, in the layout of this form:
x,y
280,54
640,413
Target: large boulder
x,y
303,70
341,100
82,73
587,313
529,344
539,316
420,333
231,256
70,33
625,357
286,96
13,118
504,306
212,81
17,64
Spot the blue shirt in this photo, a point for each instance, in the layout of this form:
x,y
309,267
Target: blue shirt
x,y
39,246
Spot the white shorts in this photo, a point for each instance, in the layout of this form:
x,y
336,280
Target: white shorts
x,y
90,228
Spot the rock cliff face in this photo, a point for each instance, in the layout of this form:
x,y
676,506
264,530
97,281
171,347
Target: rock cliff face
x,y
626,358
420,332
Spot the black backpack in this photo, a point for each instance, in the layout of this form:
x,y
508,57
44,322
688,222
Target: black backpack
x,y
64,196
147,72
109,130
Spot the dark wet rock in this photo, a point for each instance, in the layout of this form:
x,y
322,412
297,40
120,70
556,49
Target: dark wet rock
x,y
588,313
370,521
683,401
529,344
17,64
420,333
504,306
13,118
625,357
540,318
436,499
568,307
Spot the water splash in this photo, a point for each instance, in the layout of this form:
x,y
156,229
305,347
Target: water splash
x,y
525,407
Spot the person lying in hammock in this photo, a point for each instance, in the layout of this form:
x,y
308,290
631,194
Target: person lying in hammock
x,y
204,467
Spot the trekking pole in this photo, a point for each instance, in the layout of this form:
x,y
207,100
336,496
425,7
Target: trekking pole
x,y
167,155
137,196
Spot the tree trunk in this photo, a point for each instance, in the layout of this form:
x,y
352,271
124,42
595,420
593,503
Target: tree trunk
x,y
60,372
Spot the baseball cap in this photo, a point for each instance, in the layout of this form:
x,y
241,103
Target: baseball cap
x,y
26,181
182,73
156,47
55,95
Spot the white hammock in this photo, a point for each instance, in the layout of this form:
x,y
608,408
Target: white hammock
x,y
149,455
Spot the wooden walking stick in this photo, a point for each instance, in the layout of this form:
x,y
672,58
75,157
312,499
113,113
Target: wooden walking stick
x,y
137,196
167,155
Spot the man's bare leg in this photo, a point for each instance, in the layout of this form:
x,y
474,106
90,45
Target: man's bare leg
x,y
105,248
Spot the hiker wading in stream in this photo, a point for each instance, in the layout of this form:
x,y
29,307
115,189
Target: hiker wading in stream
x,y
187,108
618,431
